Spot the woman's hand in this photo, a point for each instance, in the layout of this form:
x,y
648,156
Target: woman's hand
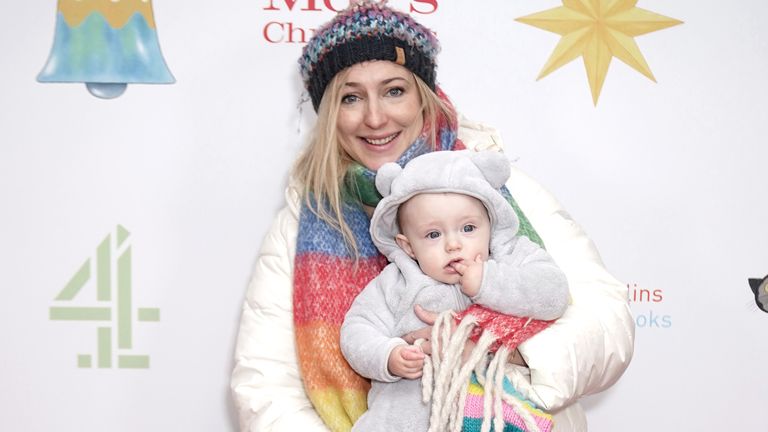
x,y
429,318
517,358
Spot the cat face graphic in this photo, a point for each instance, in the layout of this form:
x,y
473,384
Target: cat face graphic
x,y
760,289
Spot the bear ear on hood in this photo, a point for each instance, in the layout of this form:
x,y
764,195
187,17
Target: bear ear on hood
x,y
384,177
494,166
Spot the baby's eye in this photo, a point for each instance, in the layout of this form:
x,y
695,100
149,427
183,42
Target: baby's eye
x,y
348,99
468,228
395,91
433,235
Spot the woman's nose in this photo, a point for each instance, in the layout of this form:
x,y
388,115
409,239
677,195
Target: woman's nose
x,y
375,116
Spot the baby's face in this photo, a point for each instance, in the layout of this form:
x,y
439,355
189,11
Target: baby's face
x,y
442,228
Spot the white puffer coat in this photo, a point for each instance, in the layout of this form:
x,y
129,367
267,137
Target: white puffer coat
x,y
583,353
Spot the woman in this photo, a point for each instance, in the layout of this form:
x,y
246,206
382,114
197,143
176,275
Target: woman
x,y
371,75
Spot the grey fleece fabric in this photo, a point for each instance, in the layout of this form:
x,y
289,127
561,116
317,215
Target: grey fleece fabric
x,y
519,278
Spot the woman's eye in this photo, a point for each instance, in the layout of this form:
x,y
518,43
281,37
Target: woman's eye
x,y
348,99
469,228
433,235
395,91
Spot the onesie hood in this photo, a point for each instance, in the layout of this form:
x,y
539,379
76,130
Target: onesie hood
x,y
477,174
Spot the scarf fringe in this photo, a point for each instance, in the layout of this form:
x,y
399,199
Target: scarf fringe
x,y
447,379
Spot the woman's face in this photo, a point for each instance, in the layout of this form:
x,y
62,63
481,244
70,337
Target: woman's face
x,y
380,113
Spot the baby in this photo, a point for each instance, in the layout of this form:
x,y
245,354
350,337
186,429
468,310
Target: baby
x,y
451,239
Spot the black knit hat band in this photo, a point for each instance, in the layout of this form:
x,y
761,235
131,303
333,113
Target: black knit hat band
x,y
364,49
367,30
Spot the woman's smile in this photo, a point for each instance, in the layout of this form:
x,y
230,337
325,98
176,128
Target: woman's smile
x,y
381,141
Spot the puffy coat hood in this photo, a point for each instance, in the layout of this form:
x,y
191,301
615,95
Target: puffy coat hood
x,y
477,174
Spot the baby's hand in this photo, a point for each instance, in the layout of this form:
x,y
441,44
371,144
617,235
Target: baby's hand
x,y
471,275
406,361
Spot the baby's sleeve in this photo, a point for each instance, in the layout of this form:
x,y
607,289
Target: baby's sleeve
x,y
367,336
526,283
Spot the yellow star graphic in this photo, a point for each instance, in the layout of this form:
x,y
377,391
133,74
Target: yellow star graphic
x,y
598,30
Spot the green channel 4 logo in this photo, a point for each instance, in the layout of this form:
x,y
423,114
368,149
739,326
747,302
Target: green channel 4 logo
x,y
113,315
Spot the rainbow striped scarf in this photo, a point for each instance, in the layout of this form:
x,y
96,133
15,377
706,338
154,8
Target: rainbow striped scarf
x,y
327,280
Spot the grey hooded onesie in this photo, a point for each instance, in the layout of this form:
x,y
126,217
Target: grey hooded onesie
x,y
519,278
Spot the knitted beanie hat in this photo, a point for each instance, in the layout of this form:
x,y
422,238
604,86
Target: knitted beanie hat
x,y
367,30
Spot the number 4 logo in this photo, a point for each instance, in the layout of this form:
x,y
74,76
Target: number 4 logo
x,y
113,312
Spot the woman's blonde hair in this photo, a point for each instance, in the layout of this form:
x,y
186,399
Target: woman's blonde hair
x,y
320,169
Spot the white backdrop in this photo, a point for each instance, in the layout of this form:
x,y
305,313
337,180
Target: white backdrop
x,y
668,178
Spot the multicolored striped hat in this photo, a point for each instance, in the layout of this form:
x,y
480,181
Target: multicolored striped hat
x,y
367,30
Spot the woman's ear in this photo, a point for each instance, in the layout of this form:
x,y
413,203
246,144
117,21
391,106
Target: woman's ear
x,y
405,245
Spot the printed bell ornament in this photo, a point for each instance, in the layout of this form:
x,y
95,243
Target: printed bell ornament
x,y
106,44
